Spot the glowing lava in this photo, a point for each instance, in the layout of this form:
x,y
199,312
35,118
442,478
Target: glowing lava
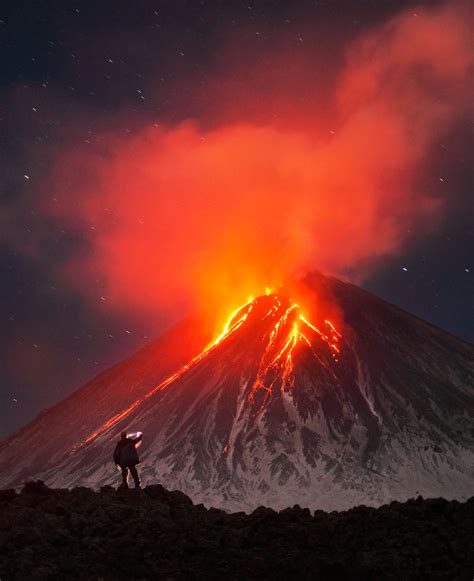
x,y
290,332
287,331
237,318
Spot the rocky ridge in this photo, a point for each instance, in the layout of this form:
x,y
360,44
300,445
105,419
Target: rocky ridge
x,y
156,534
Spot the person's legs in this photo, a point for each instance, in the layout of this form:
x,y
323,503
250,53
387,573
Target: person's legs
x,y
134,473
124,476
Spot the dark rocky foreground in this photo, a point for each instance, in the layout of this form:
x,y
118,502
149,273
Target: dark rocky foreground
x,y
156,534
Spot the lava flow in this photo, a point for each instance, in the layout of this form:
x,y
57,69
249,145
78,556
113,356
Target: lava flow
x,y
236,320
286,330
289,331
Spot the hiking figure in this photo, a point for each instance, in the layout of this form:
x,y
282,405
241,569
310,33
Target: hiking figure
x,y
126,456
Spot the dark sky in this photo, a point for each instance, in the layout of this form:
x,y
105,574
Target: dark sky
x,y
73,71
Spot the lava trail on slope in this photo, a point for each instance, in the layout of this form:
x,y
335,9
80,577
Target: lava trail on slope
x,y
284,330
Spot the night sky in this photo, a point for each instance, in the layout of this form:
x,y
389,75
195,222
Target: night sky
x,y
83,85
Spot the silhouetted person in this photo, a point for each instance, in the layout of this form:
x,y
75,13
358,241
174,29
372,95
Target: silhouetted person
x,y
126,456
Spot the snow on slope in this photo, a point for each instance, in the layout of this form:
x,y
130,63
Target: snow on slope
x,y
384,411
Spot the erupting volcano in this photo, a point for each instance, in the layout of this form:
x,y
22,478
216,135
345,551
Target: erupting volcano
x,y
283,407
284,332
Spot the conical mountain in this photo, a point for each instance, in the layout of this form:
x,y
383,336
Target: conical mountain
x,y
282,408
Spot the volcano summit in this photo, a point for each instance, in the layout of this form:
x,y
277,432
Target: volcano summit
x,y
279,409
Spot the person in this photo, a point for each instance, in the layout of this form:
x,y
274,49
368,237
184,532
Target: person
x,y
126,456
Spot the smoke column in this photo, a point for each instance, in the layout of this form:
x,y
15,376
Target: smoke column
x,y
203,215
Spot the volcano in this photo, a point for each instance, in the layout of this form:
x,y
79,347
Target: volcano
x,y
282,408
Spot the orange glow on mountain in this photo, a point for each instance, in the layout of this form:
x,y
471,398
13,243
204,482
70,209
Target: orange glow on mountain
x,y
236,319
289,332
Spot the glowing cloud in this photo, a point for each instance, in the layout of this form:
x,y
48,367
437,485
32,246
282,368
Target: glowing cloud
x,y
184,215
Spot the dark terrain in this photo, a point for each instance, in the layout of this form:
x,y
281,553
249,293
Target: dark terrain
x,y
156,534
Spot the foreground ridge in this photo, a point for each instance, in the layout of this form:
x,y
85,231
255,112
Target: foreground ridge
x,y
153,533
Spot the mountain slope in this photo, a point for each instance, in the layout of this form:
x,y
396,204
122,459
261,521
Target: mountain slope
x,y
58,429
284,409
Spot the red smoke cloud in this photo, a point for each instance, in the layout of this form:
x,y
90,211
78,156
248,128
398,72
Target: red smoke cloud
x,y
183,215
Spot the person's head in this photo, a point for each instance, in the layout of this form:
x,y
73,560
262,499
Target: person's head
x,y
123,435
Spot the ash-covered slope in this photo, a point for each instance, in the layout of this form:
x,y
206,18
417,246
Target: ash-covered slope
x,y
282,409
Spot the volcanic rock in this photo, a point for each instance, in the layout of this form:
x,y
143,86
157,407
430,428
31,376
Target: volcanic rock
x,y
157,534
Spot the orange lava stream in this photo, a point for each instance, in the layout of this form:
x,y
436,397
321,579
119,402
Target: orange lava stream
x,y
274,369
235,321
276,364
